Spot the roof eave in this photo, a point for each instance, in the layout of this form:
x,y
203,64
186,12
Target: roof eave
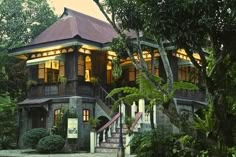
x,y
53,45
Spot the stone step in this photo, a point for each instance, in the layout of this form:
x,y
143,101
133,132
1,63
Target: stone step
x,y
106,150
124,130
109,144
114,139
117,135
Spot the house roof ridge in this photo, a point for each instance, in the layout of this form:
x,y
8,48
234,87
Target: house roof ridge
x,y
67,11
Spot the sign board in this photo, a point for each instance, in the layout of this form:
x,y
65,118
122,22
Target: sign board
x,y
72,128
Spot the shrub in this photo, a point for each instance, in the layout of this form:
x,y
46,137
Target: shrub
x,y
32,137
153,143
50,144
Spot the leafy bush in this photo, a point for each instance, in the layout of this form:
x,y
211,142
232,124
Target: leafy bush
x,y
8,122
151,143
50,144
32,137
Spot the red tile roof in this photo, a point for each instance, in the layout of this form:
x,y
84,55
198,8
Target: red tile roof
x,y
72,24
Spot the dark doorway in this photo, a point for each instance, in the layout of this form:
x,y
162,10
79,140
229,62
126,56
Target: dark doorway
x,y
102,121
38,118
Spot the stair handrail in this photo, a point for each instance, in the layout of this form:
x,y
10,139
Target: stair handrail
x,y
109,123
137,118
104,93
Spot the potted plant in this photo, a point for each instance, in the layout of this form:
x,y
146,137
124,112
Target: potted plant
x,y
94,80
31,83
62,79
93,122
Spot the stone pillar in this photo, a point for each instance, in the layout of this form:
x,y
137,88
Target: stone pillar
x,y
141,108
75,107
93,141
133,110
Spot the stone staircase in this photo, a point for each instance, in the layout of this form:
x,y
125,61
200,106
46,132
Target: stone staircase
x,y
111,144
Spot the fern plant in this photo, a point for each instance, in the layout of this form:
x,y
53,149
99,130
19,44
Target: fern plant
x,y
152,96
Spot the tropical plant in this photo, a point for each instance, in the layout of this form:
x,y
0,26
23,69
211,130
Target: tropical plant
x,y
50,144
93,122
208,30
32,137
128,122
150,94
116,68
8,121
20,22
31,83
155,143
62,79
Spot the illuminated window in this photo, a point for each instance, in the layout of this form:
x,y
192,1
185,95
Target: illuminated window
x,y
88,67
57,117
86,115
131,73
109,72
62,69
81,65
156,70
187,73
49,71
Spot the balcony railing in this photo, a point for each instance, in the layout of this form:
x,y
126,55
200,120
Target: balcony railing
x,y
197,95
57,89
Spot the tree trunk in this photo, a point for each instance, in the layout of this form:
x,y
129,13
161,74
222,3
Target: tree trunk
x,y
223,119
167,67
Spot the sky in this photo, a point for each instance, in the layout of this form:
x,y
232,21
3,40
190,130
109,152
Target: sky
x,y
84,6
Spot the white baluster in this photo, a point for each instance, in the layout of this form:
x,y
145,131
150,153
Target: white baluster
x,y
114,127
109,131
98,135
133,110
104,136
118,123
155,114
123,112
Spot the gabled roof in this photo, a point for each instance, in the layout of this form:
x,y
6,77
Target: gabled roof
x,y
75,24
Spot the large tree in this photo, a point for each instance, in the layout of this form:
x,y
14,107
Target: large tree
x,y
207,27
20,21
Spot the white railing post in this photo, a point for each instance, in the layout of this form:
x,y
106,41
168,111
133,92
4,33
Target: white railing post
x,y
123,112
114,127
92,141
104,136
98,136
109,131
155,114
127,148
141,108
133,110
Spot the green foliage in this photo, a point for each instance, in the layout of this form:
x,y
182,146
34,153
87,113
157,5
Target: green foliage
x,y
62,79
205,124
32,137
128,122
116,68
151,143
8,121
50,144
93,122
62,125
20,22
